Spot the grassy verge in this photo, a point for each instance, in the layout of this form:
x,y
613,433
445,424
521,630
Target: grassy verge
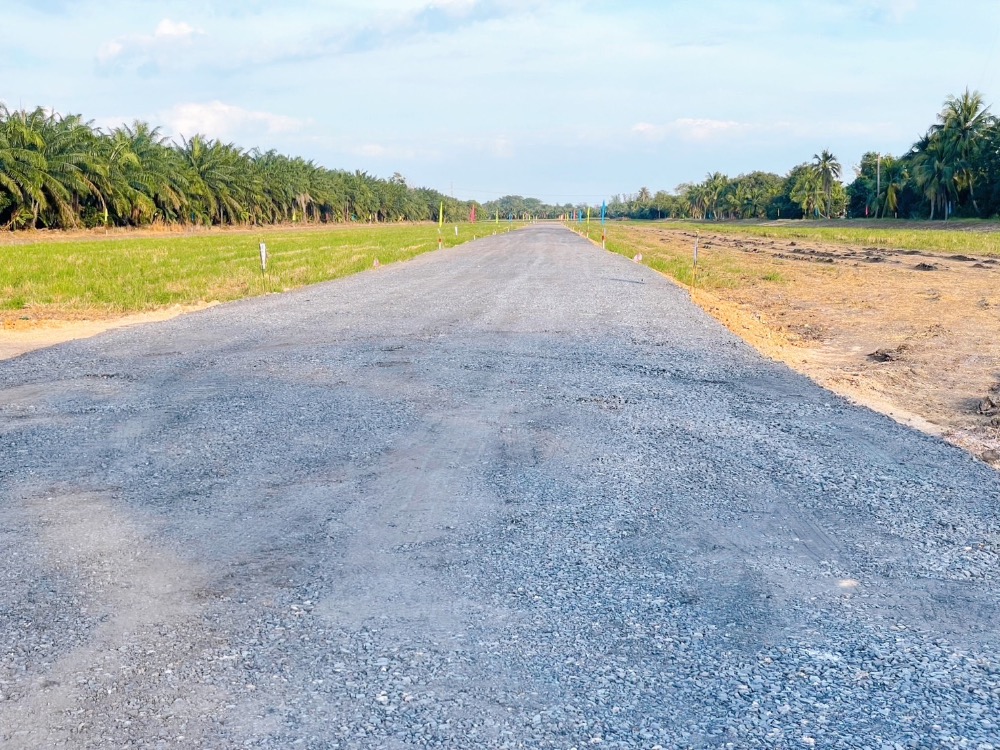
x,y
957,237
111,276
717,269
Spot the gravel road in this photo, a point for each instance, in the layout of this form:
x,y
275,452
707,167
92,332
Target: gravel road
x,y
518,494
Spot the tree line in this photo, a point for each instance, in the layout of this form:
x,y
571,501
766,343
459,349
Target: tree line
x,y
952,170
61,172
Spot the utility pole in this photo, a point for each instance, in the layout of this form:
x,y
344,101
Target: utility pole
x,y
878,181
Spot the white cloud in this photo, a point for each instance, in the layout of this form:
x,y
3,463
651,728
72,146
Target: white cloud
x,y
372,149
691,129
895,10
167,29
109,51
165,37
497,147
394,152
702,130
219,120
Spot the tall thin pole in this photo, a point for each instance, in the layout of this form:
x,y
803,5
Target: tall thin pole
x,y
878,181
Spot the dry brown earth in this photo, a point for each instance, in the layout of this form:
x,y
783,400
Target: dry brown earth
x,y
27,333
914,335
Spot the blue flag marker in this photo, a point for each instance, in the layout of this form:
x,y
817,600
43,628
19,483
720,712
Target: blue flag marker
x,y
604,211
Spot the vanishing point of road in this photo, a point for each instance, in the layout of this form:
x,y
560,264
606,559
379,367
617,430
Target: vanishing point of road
x,y
517,494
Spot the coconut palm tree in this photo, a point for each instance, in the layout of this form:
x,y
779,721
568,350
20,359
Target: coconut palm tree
x,y
696,197
827,169
894,179
963,126
807,191
933,174
715,186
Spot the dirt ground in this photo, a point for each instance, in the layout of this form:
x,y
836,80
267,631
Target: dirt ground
x,y
27,333
913,335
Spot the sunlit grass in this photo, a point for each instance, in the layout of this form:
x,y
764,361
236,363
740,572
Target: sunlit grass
x,y
668,247
966,236
716,270
125,274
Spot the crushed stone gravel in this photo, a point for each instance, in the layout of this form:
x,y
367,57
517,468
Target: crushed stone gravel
x,y
517,494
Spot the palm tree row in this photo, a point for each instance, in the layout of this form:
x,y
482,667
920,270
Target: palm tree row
x,y
954,169
60,172
810,189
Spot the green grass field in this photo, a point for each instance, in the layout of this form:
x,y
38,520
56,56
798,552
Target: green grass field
x,y
625,239
122,274
961,236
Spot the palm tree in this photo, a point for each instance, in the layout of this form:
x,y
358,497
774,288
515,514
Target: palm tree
x,y
963,126
71,166
696,197
740,199
715,186
807,191
21,168
160,176
827,169
932,173
894,179
223,188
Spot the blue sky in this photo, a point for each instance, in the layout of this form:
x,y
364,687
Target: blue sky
x,y
565,100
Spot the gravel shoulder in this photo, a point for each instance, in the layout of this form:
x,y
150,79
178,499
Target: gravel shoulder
x,y
517,494
911,334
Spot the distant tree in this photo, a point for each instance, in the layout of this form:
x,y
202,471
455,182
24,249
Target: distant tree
x,y
715,187
894,177
807,191
933,173
963,126
828,170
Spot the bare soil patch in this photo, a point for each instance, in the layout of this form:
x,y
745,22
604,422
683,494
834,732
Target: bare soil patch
x,y
914,335
21,335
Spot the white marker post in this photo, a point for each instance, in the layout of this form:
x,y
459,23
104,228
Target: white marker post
x,y
263,265
694,267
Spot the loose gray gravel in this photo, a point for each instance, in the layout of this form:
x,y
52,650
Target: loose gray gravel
x,y
518,494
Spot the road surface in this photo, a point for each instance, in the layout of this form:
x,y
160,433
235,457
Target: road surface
x,y
517,494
